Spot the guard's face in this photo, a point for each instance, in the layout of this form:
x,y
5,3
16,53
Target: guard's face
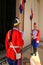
x,y
35,26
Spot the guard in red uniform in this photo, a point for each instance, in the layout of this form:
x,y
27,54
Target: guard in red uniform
x,y
14,43
35,38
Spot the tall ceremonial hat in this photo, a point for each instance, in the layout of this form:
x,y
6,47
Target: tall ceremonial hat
x,y
16,21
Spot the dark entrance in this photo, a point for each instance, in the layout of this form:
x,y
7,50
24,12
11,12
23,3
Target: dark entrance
x,y
7,13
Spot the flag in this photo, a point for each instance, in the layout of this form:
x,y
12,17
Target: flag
x,y
31,16
21,7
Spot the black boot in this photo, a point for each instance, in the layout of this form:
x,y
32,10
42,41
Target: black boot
x,y
35,53
31,53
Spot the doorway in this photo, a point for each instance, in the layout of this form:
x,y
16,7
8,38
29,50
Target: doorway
x,y
7,12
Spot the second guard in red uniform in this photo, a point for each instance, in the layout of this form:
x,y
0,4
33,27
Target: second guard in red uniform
x,y
35,38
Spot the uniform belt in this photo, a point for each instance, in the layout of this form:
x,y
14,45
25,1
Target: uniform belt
x,y
11,46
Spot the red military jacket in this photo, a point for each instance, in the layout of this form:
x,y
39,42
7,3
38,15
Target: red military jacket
x,y
36,35
16,41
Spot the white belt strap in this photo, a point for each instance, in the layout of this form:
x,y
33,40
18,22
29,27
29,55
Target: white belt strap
x,y
13,47
18,55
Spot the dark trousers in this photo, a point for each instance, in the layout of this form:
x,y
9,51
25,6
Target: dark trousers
x,y
34,50
12,62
